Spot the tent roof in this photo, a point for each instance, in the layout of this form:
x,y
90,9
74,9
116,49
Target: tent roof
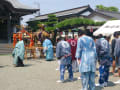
x,y
108,28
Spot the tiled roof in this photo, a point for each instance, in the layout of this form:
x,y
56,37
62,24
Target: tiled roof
x,y
111,14
62,13
94,13
16,4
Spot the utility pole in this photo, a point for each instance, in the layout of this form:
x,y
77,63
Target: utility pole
x,y
37,3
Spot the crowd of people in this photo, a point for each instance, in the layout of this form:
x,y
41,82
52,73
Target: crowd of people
x,y
81,54
84,53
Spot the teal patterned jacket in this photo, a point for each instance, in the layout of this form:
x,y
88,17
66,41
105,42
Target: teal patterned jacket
x,y
86,51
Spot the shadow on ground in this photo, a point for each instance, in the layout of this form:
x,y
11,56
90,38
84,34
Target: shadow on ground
x,y
28,65
40,58
2,66
110,84
74,79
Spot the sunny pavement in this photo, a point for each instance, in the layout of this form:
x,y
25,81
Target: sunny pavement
x,y
39,74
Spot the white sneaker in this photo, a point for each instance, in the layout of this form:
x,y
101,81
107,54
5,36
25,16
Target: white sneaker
x,y
117,82
79,78
57,69
97,84
100,85
60,81
105,84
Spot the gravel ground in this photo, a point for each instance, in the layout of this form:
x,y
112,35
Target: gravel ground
x,y
39,74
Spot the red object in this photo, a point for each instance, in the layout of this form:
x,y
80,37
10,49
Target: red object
x,y
61,33
91,29
73,44
66,38
20,36
14,39
31,43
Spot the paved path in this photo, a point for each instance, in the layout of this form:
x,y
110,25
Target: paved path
x,y
39,75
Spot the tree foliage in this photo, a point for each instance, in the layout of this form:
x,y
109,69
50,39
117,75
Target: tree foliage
x,y
50,24
76,22
34,25
101,7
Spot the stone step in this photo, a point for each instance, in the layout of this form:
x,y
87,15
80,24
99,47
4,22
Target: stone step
x,y
5,53
5,49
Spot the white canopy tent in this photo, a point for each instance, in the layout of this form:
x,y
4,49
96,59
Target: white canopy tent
x,y
108,28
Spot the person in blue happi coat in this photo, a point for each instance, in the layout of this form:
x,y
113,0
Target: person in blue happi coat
x,y
113,43
103,52
48,49
63,53
117,55
18,54
86,56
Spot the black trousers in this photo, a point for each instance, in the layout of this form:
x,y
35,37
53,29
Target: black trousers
x,y
20,62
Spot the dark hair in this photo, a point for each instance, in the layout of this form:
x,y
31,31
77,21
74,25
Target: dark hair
x,y
100,36
108,37
116,34
95,37
47,37
81,32
58,39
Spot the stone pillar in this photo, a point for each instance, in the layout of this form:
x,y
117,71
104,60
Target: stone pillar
x,y
9,28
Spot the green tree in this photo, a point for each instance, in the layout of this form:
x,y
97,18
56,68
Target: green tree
x,y
52,21
76,22
101,7
113,9
34,25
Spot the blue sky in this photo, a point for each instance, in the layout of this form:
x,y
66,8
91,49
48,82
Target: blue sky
x,y
48,6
